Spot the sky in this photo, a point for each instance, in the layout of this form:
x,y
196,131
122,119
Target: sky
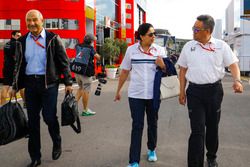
x,y
178,16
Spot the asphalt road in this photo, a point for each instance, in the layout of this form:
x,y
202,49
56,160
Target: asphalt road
x,y
105,139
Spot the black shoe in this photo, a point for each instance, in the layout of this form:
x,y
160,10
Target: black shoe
x,y
35,163
57,151
212,163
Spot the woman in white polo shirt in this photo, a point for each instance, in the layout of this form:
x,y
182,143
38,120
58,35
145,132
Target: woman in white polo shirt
x,y
141,60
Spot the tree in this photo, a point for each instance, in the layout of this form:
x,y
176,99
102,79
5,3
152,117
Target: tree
x,y
123,45
111,50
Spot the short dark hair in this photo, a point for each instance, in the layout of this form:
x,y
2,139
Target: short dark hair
x,y
208,22
143,29
88,38
15,32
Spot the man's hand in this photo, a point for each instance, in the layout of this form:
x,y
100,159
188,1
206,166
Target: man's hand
x,y
235,71
97,56
12,93
182,98
237,86
68,89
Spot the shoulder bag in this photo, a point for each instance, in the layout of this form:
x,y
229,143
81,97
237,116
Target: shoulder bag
x,y
170,87
83,64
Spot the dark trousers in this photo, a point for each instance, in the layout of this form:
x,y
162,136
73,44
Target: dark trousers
x,y
204,105
138,107
38,98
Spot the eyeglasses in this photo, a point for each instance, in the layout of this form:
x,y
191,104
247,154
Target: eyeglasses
x,y
151,34
196,30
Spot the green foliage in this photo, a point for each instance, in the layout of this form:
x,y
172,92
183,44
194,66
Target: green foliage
x,y
110,66
123,45
110,49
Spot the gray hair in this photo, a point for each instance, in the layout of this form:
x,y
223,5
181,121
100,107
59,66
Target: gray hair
x,y
208,22
34,11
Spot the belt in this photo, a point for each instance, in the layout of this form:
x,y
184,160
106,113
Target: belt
x,y
205,85
36,76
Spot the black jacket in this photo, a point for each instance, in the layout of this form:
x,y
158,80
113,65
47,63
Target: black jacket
x,y
9,58
57,62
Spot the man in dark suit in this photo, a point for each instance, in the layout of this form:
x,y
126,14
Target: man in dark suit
x,y
41,59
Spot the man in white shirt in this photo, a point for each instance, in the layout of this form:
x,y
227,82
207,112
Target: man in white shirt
x,y
202,63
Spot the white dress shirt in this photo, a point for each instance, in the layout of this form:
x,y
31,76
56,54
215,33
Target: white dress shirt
x,y
142,68
206,63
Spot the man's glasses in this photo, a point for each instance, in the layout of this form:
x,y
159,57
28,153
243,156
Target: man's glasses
x,y
151,34
196,30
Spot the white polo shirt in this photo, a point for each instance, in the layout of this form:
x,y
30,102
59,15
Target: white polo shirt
x,y
142,68
206,63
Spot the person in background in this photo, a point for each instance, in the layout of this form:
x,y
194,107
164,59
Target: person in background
x,y
202,64
86,49
41,59
141,60
8,67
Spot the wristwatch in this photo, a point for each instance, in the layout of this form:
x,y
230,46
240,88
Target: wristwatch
x,y
238,80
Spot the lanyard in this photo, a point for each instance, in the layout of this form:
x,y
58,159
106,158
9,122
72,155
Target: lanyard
x,y
37,42
208,49
147,53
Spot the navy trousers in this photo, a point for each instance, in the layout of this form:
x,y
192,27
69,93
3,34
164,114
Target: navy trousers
x,y
39,98
204,105
138,108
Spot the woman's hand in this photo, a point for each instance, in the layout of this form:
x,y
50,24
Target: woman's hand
x,y
117,97
159,62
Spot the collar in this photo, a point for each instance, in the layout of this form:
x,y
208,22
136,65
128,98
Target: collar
x,y
12,39
150,51
211,41
209,46
42,34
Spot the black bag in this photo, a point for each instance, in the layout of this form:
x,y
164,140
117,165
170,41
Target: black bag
x,y
70,115
77,67
13,123
90,71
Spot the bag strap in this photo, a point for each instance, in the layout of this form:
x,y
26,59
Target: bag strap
x,y
11,99
76,128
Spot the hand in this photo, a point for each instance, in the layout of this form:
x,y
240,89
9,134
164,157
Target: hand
x,y
68,89
117,97
12,93
237,86
182,99
159,62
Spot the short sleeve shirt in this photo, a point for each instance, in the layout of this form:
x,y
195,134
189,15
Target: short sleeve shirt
x,y
142,69
206,63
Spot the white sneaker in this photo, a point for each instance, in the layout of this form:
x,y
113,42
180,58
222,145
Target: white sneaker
x,y
90,111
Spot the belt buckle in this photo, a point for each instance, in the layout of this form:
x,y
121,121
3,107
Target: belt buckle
x,y
36,76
